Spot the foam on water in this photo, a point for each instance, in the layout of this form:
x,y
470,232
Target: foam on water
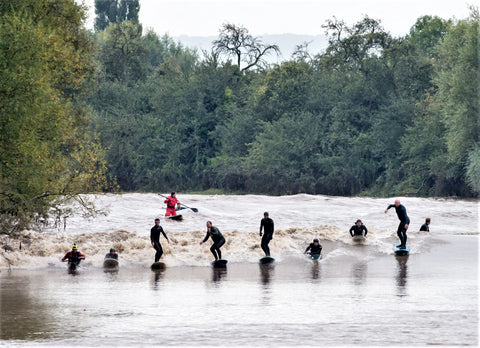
x,y
298,219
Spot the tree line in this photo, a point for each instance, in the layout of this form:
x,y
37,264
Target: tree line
x,y
129,109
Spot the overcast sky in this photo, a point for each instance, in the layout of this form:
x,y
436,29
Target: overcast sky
x,y
205,17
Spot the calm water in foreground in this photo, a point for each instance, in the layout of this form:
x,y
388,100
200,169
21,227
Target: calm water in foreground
x,y
357,295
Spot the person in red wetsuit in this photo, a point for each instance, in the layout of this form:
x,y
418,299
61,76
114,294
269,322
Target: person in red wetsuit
x,y
74,256
172,203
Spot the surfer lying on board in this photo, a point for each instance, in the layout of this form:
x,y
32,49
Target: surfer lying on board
x,y
74,256
155,239
315,248
172,203
358,229
404,222
112,254
266,223
218,240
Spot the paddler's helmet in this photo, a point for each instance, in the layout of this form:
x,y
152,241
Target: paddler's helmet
x,y
74,247
112,249
315,240
265,214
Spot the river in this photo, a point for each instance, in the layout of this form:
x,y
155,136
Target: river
x,y
359,294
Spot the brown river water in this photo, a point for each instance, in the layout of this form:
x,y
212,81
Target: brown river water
x,y
359,294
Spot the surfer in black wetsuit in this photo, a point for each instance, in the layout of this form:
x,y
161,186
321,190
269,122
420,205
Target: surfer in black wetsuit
x,y
426,226
315,248
155,239
358,229
404,222
267,224
112,254
218,240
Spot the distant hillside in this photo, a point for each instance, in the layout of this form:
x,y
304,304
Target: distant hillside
x,y
286,42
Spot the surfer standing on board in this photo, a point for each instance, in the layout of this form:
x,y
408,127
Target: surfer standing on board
x,y
267,224
172,203
155,239
404,222
218,240
358,229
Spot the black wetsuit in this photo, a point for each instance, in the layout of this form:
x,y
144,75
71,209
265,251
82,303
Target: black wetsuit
x,y
267,224
425,228
155,239
314,249
218,241
110,256
358,230
404,220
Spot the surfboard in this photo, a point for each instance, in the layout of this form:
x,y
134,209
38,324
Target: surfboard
x,y
110,263
178,217
158,266
358,238
316,256
219,263
401,252
266,260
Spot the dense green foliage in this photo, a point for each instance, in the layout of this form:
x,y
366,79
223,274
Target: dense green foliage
x,y
46,149
373,114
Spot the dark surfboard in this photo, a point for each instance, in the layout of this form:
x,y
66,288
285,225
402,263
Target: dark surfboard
x,y
266,260
178,217
110,263
158,266
219,263
401,252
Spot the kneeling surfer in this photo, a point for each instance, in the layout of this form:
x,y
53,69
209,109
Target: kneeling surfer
x,y
74,256
218,240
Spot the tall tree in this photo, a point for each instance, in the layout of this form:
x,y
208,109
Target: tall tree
x,y
456,102
115,11
46,150
235,41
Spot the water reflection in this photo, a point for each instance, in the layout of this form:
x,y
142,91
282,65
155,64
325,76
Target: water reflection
x,y
402,275
157,278
218,274
266,272
359,273
23,315
315,270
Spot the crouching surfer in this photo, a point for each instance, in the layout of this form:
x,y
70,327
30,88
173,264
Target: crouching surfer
x,y
268,225
218,240
315,249
74,257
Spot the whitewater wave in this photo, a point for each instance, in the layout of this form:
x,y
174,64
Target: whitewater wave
x,y
33,250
